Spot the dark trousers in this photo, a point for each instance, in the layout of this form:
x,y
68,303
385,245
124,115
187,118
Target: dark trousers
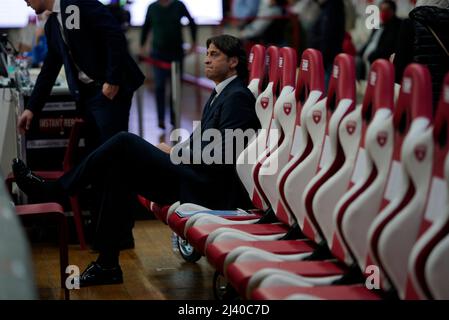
x,y
121,168
161,76
103,119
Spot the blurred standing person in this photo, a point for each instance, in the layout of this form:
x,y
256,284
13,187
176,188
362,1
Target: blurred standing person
x,y
264,29
382,42
244,11
39,50
424,39
307,12
328,32
163,18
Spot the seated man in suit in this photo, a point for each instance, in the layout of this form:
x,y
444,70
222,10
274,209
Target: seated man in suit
x,y
127,165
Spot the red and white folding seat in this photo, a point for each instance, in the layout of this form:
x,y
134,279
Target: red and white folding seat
x,y
429,260
309,136
391,233
366,121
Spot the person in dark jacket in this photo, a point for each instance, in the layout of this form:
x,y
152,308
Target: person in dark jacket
x,y
127,165
417,43
100,73
382,42
328,32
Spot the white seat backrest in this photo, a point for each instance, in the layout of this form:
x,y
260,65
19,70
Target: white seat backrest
x,y
340,100
308,92
394,231
285,114
359,206
264,110
429,259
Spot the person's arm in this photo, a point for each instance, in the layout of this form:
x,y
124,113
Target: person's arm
x,y
99,18
243,9
404,49
262,22
45,81
145,29
192,24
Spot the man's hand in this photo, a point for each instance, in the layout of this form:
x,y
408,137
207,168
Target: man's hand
x,y
110,90
24,121
164,147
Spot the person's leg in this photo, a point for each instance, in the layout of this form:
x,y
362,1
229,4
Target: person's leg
x,y
123,167
108,116
172,111
160,79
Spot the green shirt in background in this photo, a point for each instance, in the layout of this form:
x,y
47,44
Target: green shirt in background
x,y
165,23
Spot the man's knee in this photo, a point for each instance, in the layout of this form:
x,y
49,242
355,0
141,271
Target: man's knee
x,y
122,138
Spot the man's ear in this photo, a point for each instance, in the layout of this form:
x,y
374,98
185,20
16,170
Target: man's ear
x,y
233,62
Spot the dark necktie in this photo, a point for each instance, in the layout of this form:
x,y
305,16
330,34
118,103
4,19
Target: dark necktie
x,y
207,107
69,66
206,112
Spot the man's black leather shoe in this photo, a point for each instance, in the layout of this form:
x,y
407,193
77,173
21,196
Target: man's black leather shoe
x,y
34,186
95,275
27,181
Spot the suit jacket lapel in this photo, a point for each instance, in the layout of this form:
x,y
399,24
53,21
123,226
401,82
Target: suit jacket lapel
x,y
220,98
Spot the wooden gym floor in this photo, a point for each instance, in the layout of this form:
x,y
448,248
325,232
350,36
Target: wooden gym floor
x,y
150,271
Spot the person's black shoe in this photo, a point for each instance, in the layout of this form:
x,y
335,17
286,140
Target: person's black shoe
x,y
35,186
161,125
96,275
27,181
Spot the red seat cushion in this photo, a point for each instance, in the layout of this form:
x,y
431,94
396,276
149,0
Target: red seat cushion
x,y
160,211
353,292
216,252
239,273
39,208
197,236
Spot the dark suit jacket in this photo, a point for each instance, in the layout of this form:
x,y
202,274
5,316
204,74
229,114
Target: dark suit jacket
x,y
387,42
218,185
98,47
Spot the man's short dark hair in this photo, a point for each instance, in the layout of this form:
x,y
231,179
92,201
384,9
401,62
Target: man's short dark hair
x,y
391,4
232,47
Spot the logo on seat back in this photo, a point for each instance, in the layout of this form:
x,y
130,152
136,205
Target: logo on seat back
x,y
264,102
420,152
350,127
316,115
305,65
382,138
287,108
